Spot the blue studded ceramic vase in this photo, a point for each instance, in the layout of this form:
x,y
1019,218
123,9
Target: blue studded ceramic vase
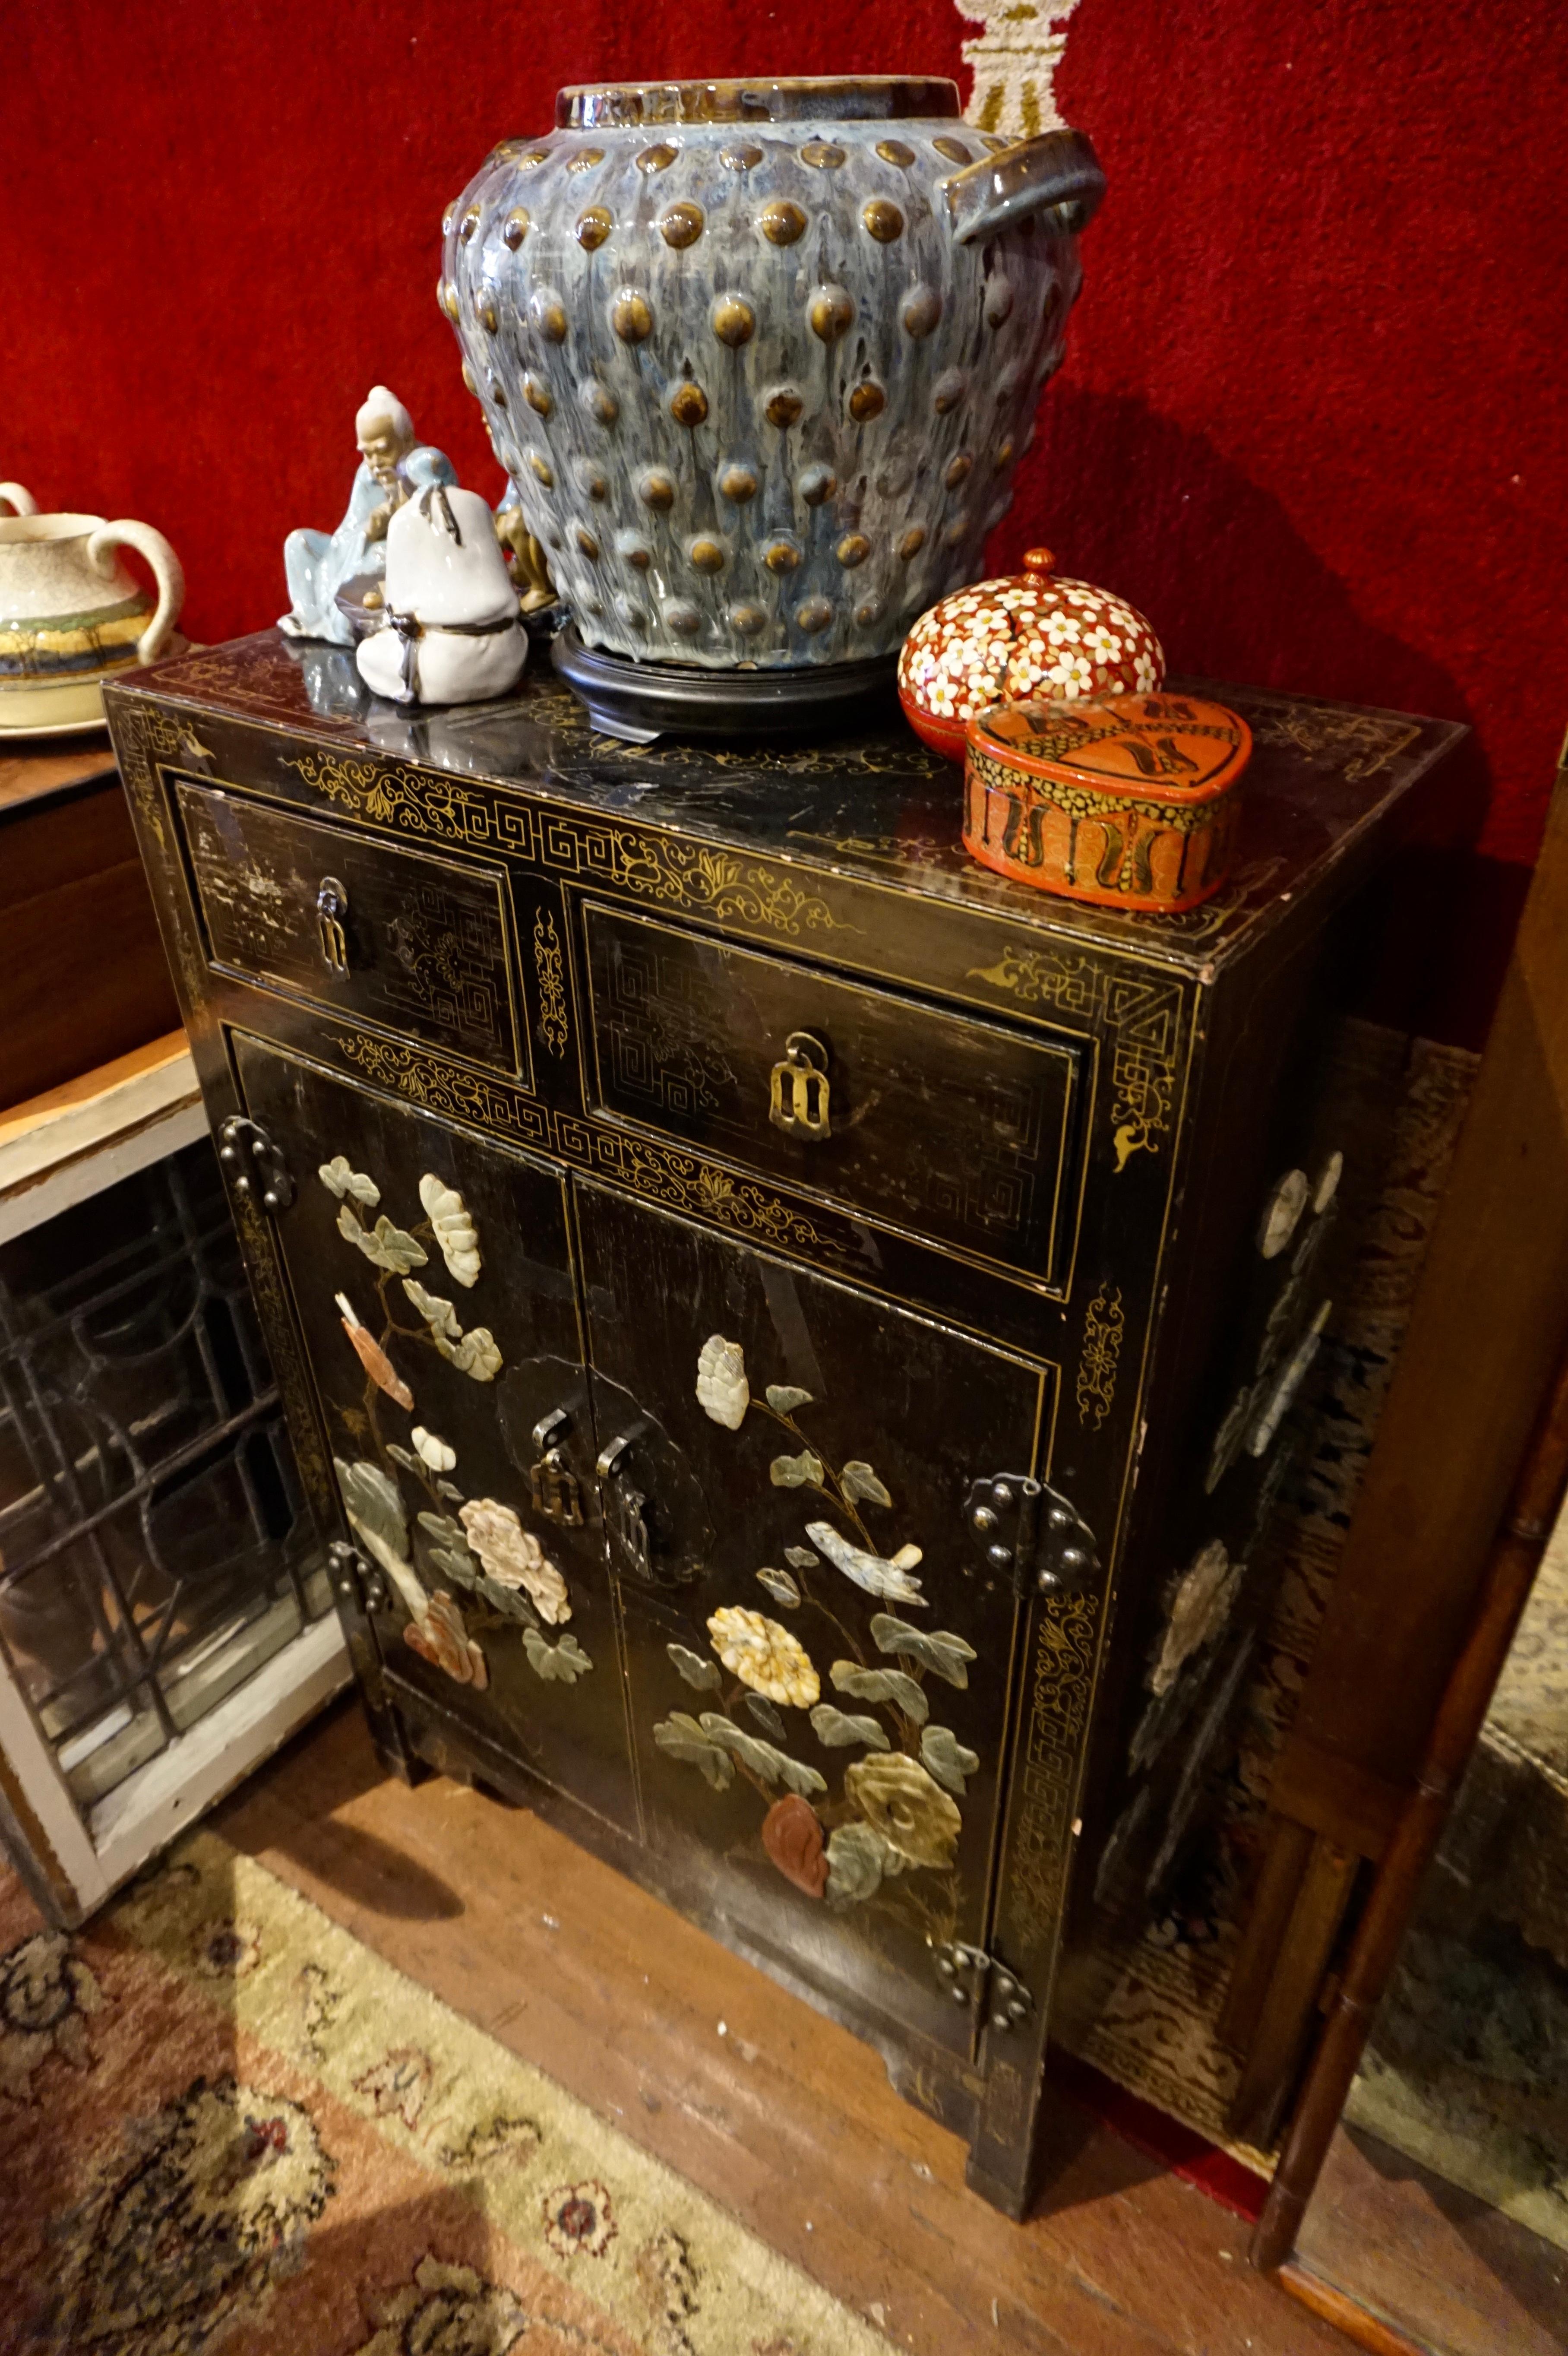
x,y
761,357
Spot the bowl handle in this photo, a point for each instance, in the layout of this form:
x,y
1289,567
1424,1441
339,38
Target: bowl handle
x,y
1056,174
19,501
167,571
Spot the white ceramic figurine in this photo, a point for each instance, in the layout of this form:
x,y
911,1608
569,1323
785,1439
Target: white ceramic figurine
x,y
452,633
393,466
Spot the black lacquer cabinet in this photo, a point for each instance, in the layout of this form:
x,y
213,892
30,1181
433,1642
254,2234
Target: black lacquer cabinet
x,y
790,1333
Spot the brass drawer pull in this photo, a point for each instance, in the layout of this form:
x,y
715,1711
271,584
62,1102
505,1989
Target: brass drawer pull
x,y
331,908
798,1099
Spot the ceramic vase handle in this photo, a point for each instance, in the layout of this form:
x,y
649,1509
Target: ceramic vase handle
x,y
1056,173
167,571
19,501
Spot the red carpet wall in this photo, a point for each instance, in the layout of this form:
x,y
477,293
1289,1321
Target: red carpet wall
x,y
1312,419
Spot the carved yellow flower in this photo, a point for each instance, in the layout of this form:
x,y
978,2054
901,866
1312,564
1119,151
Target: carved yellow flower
x,y
906,1806
765,1657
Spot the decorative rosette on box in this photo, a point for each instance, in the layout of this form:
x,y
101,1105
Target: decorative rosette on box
x,y
1024,634
1127,800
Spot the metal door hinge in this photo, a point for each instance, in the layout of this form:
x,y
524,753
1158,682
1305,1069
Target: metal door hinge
x,y
255,1165
973,1977
358,1583
1031,1533
623,1520
798,1095
551,1485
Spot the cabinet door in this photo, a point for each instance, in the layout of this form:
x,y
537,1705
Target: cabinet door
x,y
819,1661
432,1280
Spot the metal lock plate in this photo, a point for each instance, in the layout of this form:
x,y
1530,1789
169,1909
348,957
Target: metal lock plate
x,y
551,1485
623,1513
255,1165
331,912
798,1099
1032,1534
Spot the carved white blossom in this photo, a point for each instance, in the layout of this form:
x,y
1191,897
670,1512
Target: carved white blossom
x,y
433,1450
723,1391
513,1557
454,1230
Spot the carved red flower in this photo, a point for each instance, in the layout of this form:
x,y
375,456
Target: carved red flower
x,y
792,1835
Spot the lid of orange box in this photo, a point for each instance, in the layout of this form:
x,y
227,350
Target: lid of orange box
x,y
1169,748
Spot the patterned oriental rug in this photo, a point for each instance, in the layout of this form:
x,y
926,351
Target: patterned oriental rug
x,y
224,2121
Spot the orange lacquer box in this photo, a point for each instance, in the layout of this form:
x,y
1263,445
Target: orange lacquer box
x,y
1129,800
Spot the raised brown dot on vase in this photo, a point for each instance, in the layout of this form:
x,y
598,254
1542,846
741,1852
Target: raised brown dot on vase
x,y
1004,454
815,484
746,618
655,488
953,149
548,313
894,151
870,610
957,470
706,555
681,225
689,405
632,548
781,556
682,617
591,479
517,227
630,316
541,469
822,155
449,300
948,391
448,217
631,613
594,226
912,541
852,550
533,159
538,399
867,401
734,322
470,379
657,159
782,222
883,220
588,544
740,159
957,529
599,402
738,483
831,312
922,310
496,392
998,301
484,312
586,160
468,224
814,615
784,406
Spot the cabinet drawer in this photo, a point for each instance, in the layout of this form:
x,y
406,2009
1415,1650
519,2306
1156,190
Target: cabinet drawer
x,y
944,1124
419,944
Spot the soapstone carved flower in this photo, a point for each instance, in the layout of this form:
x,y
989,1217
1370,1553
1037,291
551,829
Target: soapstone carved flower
x,y
765,1657
901,1802
1198,1610
439,1636
513,1557
432,1450
340,1179
723,1391
372,1356
454,1229
792,1835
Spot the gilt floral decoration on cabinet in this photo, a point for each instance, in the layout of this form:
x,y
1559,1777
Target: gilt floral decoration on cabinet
x,y
896,1812
476,1546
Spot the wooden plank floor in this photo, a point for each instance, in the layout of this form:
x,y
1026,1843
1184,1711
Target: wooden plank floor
x,y
785,2119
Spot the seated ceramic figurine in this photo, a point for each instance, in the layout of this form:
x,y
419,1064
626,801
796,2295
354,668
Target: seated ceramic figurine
x,y
452,633
393,466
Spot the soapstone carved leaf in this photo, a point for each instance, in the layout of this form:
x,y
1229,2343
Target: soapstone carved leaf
x,y
476,1355
448,1532
883,1685
803,1559
449,1489
340,1179
857,1859
404,1456
947,1654
836,1730
945,1758
376,1516
763,1759
372,1356
461,1569
889,1579
510,1603
767,1716
560,1664
858,1482
695,1669
783,1398
454,1230
781,1587
384,1245
438,1314
683,1738
433,1449
801,1471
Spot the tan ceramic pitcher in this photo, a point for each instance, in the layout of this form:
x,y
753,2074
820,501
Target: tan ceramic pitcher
x,y
70,615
